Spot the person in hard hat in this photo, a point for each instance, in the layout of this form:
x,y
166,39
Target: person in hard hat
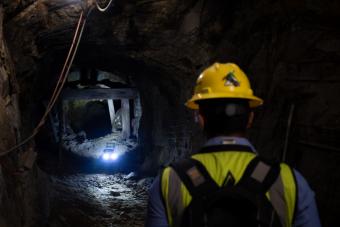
x,y
224,102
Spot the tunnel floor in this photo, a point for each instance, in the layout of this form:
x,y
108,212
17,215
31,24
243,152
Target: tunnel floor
x,y
98,200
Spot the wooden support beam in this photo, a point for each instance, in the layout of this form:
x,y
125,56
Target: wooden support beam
x,y
126,124
97,93
135,118
112,112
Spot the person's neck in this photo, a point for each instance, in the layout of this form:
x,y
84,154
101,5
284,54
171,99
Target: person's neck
x,y
236,134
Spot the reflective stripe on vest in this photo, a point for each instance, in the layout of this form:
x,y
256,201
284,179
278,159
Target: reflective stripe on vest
x,y
282,194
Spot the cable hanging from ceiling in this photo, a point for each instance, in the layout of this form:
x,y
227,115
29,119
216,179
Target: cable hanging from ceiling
x,y
64,73
101,8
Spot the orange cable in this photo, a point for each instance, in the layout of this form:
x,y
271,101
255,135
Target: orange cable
x,y
61,81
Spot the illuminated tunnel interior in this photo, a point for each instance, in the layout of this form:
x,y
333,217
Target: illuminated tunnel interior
x,y
90,147
95,126
92,99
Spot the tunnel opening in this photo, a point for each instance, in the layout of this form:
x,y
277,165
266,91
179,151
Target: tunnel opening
x,y
91,191
95,125
88,119
90,147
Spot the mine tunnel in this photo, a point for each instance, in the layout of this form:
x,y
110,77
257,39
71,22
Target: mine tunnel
x,y
95,123
93,93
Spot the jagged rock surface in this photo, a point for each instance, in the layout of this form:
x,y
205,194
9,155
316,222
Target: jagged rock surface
x,y
290,50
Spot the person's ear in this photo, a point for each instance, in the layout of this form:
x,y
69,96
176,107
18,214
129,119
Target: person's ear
x,y
250,119
199,119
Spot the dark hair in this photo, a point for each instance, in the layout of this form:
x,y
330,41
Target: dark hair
x,y
224,116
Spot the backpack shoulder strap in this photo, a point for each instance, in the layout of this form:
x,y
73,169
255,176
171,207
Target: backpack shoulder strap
x,y
257,179
260,175
195,177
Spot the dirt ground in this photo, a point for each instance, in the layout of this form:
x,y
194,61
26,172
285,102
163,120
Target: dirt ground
x,y
98,200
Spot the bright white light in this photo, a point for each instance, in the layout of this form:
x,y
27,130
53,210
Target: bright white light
x,y
106,156
114,156
110,156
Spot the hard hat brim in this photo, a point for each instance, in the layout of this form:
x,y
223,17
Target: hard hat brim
x,y
253,101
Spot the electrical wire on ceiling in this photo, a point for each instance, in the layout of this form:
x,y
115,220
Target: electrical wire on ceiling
x,y
64,73
103,9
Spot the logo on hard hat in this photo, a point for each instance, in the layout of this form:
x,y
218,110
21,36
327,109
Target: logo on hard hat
x,y
231,80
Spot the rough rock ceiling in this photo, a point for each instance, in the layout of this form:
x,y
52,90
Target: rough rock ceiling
x,y
290,49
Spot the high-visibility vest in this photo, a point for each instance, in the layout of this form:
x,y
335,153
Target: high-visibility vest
x,y
219,164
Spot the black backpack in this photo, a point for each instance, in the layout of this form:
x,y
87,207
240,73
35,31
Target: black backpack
x,y
233,205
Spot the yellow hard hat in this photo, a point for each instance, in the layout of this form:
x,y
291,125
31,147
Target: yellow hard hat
x,y
223,81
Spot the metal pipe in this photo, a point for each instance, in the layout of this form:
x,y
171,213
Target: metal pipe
x,y
289,124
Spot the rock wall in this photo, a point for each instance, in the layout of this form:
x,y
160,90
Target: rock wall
x,y
23,198
290,50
